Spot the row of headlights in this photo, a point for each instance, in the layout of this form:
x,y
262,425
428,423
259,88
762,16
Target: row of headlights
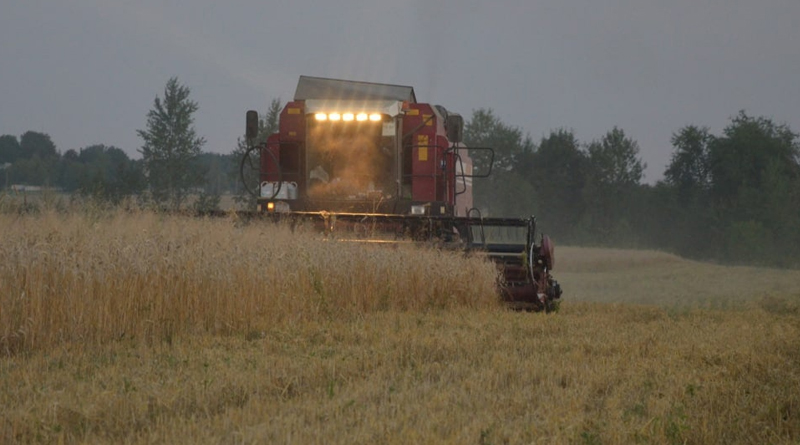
x,y
347,117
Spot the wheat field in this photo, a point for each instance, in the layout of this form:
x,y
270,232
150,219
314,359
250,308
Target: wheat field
x,y
139,328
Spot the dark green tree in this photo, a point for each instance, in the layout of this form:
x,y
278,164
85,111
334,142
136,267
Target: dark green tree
x,y
10,149
171,147
485,129
749,151
614,172
683,208
755,188
33,144
557,173
35,171
71,171
218,180
108,174
505,192
690,169
35,159
615,160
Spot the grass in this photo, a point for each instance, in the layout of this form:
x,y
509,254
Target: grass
x,y
141,329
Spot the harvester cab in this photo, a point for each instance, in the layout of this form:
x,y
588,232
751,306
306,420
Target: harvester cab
x,y
360,147
360,154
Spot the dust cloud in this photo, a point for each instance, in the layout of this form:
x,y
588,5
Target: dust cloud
x,y
350,161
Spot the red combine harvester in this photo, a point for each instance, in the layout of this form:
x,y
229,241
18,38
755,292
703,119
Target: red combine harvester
x,y
367,159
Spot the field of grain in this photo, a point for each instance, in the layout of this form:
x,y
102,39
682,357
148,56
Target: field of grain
x,y
138,328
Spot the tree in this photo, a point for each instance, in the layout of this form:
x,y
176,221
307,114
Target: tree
x,y
485,129
10,150
689,218
267,125
613,175
690,169
34,159
171,146
505,192
557,173
733,197
218,180
37,144
748,150
755,188
104,173
615,160
71,171
108,174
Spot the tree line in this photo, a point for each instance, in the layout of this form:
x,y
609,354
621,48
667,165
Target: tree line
x,y
172,173
100,172
172,167
731,197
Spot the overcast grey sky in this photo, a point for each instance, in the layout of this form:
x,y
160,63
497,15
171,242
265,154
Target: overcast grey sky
x,y
87,71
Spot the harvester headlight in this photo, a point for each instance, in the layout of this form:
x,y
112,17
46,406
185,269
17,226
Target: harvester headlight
x,y
270,206
348,116
418,210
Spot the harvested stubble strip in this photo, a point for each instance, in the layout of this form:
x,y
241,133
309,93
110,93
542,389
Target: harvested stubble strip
x,y
90,279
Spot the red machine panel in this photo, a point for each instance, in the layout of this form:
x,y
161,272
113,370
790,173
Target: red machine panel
x,y
271,158
293,122
426,154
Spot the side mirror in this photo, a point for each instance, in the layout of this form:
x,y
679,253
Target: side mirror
x,y
454,124
251,129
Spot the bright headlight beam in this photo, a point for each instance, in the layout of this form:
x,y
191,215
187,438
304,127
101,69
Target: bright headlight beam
x,y
348,117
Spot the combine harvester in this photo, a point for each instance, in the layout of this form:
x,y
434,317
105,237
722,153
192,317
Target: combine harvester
x,y
368,161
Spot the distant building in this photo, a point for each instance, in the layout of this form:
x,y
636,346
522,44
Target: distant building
x,y
26,188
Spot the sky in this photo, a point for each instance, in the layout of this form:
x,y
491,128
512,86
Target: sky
x,y
87,71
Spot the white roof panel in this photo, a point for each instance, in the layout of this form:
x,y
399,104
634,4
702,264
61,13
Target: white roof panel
x,y
319,88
